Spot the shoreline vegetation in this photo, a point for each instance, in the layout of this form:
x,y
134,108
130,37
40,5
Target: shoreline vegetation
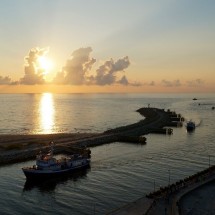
x,y
20,147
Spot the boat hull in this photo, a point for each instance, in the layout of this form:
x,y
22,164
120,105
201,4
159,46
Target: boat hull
x,y
35,174
190,128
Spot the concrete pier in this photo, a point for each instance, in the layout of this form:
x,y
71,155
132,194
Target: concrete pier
x,y
167,200
17,148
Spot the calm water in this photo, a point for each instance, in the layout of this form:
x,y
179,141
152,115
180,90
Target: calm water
x,y
119,172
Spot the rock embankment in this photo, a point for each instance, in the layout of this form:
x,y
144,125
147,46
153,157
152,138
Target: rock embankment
x,y
17,148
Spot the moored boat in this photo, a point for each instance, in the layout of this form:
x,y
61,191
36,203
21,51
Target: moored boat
x,y
47,166
190,126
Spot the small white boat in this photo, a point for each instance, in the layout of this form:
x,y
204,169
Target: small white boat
x,y
190,125
48,167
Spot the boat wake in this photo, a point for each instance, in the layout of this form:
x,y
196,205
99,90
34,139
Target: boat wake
x,y
196,121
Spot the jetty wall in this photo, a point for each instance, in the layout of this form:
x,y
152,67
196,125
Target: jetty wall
x,y
17,148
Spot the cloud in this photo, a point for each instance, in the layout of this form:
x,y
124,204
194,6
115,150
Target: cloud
x,y
138,84
78,67
5,80
195,83
175,83
152,83
59,78
106,74
123,80
34,74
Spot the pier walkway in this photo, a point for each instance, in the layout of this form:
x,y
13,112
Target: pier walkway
x,y
139,207
18,148
170,205
167,201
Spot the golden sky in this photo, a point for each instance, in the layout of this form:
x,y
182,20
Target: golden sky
x,y
107,46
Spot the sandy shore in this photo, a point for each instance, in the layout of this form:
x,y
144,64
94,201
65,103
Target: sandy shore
x,y
17,148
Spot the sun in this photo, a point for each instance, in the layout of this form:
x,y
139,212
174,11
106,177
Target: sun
x,y
45,64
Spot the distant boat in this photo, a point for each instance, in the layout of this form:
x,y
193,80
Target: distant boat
x,y
190,125
48,167
194,99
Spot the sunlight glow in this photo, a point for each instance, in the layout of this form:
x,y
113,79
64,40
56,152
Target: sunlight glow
x,y
46,113
45,64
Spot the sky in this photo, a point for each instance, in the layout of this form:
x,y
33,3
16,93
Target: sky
x,y
70,46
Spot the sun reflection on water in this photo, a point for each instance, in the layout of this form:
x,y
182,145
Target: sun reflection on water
x,y
47,113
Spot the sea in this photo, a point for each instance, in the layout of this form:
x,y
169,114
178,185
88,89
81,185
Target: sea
x,y
120,172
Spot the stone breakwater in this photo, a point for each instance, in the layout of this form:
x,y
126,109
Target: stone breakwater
x,y
18,148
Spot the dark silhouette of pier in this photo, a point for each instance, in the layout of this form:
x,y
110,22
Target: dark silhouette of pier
x,y
18,148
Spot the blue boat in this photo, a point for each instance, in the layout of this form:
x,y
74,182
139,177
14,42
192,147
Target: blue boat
x,y
190,125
